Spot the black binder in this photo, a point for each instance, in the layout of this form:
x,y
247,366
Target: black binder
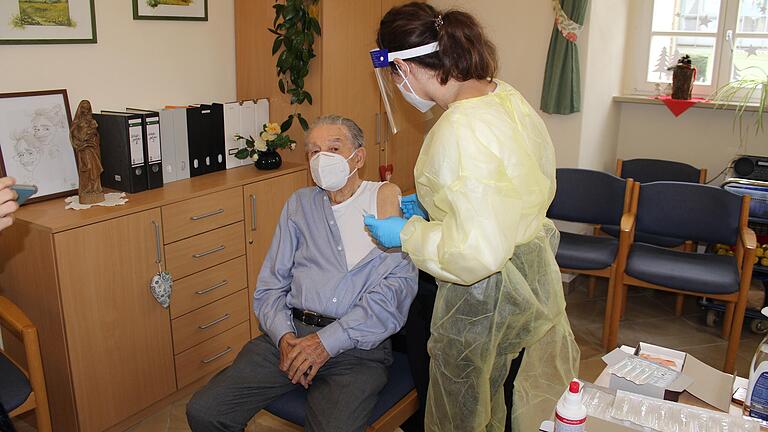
x,y
122,151
197,134
216,142
153,152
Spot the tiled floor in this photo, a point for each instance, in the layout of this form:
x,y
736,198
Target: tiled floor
x,y
649,318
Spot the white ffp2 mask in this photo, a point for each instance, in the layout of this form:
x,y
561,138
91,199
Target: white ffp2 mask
x,y
330,171
411,97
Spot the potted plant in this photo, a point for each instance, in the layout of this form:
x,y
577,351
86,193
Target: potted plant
x,y
741,94
263,149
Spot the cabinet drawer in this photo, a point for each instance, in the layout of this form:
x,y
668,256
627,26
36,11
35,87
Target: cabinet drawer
x,y
210,355
205,250
208,321
208,286
198,215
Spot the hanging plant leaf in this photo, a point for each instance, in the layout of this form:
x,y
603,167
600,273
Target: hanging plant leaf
x,y
281,85
308,97
304,124
274,32
287,124
276,45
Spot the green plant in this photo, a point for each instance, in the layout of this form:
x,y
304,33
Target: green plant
x,y
741,94
295,27
272,137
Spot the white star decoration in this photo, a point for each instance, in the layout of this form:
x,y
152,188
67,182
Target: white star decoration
x,y
751,50
705,20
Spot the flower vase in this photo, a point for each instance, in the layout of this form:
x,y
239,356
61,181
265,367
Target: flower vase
x,y
268,160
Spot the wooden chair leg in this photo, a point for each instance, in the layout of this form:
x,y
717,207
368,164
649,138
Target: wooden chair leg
x,y
679,303
619,299
728,319
609,306
624,290
591,287
735,339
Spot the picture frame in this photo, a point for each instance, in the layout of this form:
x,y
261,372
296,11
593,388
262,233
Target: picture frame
x,y
25,22
35,147
170,10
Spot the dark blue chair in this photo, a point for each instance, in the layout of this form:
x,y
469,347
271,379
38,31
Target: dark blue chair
x,y
701,213
22,390
595,198
397,400
654,170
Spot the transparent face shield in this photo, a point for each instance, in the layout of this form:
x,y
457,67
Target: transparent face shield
x,y
388,79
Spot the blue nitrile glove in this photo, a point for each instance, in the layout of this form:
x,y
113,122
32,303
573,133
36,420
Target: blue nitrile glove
x,y
386,231
411,206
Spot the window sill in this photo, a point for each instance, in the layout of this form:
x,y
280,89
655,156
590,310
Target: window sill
x,y
646,100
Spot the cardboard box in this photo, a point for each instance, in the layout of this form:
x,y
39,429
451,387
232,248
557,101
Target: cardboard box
x,y
693,376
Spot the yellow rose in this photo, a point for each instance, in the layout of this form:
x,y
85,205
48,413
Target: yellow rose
x,y
273,128
255,157
266,136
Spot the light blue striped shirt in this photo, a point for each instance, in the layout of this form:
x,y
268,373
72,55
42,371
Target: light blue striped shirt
x,y
306,268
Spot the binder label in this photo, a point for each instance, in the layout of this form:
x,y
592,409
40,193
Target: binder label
x,y
137,142
153,140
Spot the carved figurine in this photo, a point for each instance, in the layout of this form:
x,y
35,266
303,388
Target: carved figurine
x,y
85,140
683,76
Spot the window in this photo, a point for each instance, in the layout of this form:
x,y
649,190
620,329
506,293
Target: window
x,y
727,40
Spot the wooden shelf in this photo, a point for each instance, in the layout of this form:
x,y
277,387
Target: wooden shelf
x,y
53,217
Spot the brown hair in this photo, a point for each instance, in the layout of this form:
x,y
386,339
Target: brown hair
x,y
465,53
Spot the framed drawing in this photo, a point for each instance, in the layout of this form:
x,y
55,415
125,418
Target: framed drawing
x,y
47,22
187,10
34,142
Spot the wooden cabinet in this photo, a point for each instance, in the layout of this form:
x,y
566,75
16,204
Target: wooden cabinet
x,y
110,350
263,205
118,335
341,80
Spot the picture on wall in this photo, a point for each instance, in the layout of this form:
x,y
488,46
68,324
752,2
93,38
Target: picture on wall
x,y
189,10
35,147
47,22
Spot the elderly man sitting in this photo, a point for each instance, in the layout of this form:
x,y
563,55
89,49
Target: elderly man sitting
x,y
327,299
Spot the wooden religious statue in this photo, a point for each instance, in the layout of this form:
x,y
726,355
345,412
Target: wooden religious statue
x,y
85,140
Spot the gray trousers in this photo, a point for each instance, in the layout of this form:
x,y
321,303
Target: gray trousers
x,y
340,399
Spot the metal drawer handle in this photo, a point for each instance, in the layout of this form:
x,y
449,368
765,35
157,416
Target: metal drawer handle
x,y
207,290
204,254
219,355
207,215
214,322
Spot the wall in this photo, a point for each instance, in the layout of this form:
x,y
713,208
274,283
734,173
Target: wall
x,y
702,137
602,58
145,64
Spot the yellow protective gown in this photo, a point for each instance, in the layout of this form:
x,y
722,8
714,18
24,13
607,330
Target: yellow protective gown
x,y
486,176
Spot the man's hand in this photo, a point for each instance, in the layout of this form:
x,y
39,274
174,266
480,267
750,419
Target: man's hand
x,y
8,203
307,356
285,345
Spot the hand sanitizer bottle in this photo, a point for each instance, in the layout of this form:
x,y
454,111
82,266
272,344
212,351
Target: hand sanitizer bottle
x,y
570,414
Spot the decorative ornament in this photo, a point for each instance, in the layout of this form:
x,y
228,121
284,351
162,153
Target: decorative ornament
x,y
160,287
568,28
683,76
751,50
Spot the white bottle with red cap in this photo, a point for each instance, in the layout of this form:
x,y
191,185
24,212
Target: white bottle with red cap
x,y
570,414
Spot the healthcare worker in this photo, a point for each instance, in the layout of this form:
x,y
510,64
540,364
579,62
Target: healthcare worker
x,y
485,176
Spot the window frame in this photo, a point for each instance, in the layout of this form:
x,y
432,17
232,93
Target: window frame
x,y
725,36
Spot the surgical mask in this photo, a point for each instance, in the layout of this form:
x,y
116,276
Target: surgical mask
x,y
330,171
412,98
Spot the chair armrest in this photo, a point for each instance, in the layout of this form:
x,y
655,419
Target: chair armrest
x,y
628,223
748,238
12,318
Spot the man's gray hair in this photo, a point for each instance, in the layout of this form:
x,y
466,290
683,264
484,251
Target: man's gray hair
x,y
353,130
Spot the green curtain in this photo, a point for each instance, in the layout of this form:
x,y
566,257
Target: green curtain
x,y
562,78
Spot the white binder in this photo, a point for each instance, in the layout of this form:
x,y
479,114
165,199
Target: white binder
x,y
168,132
